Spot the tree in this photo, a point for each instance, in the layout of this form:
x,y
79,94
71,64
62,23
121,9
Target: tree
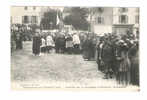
x,y
91,12
49,19
77,18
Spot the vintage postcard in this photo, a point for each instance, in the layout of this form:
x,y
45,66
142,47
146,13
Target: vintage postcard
x,y
72,48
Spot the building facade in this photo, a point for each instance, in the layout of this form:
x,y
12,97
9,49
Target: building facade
x,y
25,15
105,20
125,19
102,20
115,20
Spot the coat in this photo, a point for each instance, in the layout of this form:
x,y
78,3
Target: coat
x,y
134,58
107,53
18,41
36,45
124,63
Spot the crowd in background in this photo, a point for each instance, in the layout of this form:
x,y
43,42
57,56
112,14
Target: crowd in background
x,y
19,34
58,42
117,55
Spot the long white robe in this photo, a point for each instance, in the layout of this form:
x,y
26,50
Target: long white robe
x,y
76,39
49,41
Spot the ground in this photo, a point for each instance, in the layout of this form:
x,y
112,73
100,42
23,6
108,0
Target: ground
x,y
55,70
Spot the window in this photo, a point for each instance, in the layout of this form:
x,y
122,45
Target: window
x,y
137,19
26,8
123,19
100,10
137,10
100,20
34,19
34,8
122,10
25,19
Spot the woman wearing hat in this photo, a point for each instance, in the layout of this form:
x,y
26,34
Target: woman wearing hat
x,y
123,62
134,58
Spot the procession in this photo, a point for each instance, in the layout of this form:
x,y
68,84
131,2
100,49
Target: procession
x,y
115,55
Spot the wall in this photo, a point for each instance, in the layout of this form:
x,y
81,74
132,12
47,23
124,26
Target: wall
x,y
105,27
18,11
131,13
101,29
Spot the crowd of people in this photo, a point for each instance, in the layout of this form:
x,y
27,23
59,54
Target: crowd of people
x,y
20,33
56,42
16,40
117,55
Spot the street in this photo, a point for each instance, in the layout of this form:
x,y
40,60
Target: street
x,y
60,70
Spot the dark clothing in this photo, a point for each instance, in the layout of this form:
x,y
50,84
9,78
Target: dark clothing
x,y
76,48
108,53
99,56
60,44
134,58
69,50
69,45
86,49
69,38
93,50
123,63
18,41
108,57
43,49
36,45
49,48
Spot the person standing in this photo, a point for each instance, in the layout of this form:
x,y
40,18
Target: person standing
x,y
49,43
43,45
36,44
76,43
69,43
108,56
13,42
99,54
21,39
85,47
94,42
18,40
123,75
60,43
134,58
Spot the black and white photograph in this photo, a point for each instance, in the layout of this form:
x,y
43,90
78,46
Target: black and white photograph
x,y
55,47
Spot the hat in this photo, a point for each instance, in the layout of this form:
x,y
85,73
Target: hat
x,y
121,41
